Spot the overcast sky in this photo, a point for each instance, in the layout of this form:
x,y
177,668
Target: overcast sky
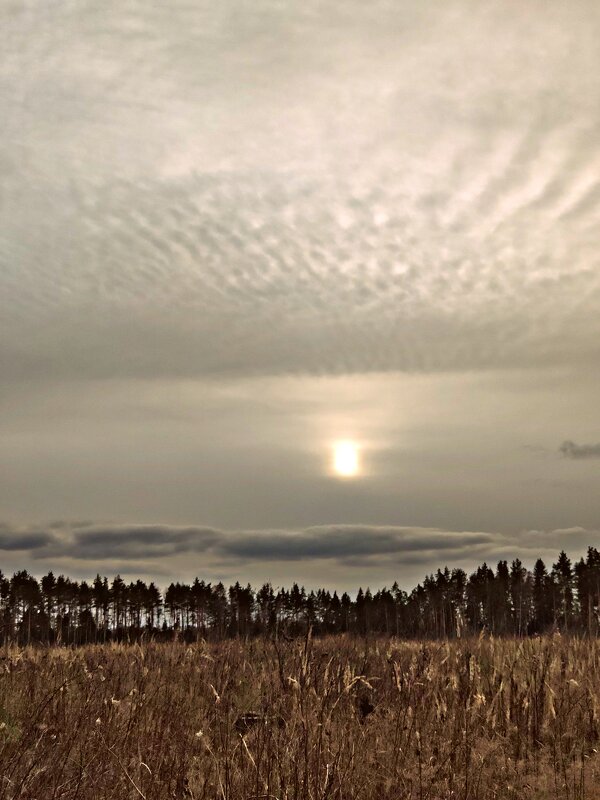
x,y
234,233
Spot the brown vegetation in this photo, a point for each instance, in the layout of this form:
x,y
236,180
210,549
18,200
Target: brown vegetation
x,y
334,719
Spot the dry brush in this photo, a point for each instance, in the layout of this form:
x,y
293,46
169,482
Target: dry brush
x,y
330,719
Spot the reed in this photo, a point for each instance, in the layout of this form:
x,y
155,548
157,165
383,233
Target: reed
x,y
338,718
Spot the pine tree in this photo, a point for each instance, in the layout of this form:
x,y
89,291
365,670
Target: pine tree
x,y
562,576
542,598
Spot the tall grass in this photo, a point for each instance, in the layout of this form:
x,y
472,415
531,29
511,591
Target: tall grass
x,y
335,718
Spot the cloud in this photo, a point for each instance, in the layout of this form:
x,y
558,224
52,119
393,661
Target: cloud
x,y
139,541
575,451
333,555
27,540
341,543
326,208
346,542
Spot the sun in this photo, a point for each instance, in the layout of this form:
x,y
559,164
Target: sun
x,y
345,459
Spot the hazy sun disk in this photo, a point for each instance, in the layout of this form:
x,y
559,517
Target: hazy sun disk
x,y
345,459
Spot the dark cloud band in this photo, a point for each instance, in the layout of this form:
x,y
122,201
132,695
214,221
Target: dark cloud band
x,y
342,543
170,550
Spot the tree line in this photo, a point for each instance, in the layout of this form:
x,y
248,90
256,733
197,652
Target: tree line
x,y
509,600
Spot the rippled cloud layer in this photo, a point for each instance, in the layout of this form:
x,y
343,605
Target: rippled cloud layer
x,y
270,188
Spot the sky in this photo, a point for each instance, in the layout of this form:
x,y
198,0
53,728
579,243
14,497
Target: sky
x,y
233,234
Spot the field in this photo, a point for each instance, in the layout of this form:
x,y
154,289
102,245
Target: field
x,y
335,718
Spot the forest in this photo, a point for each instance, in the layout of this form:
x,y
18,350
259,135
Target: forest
x,y
509,600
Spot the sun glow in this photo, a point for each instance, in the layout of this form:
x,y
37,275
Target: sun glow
x,y
345,459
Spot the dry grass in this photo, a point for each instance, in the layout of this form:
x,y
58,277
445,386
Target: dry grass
x,y
334,718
